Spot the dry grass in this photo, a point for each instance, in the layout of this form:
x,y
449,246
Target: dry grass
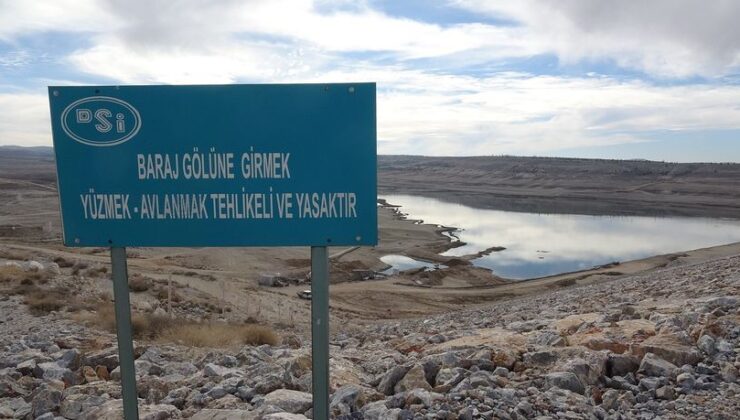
x,y
188,333
42,302
219,335
97,271
565,282
78,266
162,295
139,283
63,262
13,274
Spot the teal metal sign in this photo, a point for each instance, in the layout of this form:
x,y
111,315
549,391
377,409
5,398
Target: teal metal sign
x,y
232,165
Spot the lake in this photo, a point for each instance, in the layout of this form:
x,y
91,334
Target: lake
x,y
540,245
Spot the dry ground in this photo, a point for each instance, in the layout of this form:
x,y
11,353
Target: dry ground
x,y
30,229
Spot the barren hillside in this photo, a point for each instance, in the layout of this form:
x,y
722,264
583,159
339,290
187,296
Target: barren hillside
x,y
560,185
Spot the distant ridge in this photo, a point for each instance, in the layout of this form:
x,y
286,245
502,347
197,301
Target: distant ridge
x,y
383,159
568,185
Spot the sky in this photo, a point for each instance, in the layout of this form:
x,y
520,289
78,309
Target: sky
x,y
655,79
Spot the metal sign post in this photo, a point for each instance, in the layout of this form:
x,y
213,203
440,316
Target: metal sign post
x,y
124,333
320,330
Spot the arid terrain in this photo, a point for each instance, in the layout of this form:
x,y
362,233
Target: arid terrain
x,y
657,337
562,185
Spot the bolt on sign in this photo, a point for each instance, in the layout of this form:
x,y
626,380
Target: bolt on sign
x,y
233,165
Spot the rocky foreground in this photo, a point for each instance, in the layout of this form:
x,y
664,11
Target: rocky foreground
x,y
662,345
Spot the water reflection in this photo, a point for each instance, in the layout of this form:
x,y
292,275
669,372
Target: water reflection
x,y
545,244
402,262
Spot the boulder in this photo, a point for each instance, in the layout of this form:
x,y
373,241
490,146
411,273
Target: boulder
x,y
621,364
588,371
69,358
46,401
344,400
52,371
447,378
653,365
27,367
685,381
609,399
665,393
422,397
290,401
706,344
88,374
670,347
414,378
113,410
565,380
11,388
548,338
214,370
74,405
388,382
284,416
107,357
214,414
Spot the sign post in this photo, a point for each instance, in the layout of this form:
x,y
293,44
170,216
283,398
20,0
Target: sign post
x,y
320,331
217,166
124,333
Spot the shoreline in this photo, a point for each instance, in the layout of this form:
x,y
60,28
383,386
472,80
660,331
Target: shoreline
x,y
438,258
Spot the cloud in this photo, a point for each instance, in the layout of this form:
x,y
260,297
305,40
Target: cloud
x,y
24,119
437,94
520,113
19,18
666,38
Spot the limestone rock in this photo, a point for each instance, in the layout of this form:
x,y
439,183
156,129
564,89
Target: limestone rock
x,y
290,401
653,365
388,382
414,378
565,380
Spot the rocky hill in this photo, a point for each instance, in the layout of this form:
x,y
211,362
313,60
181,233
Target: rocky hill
x,y
661,345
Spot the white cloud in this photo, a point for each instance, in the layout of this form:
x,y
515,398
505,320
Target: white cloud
x,y
448,110
667,38
24,119
27,17
225,62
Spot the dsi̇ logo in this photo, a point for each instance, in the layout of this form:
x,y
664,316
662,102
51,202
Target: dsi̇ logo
x,y
101,121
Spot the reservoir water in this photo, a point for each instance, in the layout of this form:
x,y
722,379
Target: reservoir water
x,y
545,244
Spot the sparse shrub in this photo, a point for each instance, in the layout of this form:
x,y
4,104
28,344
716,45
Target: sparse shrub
x,y
161,294
565,282
174,330
42,302
78,307
97,271
63,262
78,266
139,283
150,326
12,274
220,335
258,334
23,289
